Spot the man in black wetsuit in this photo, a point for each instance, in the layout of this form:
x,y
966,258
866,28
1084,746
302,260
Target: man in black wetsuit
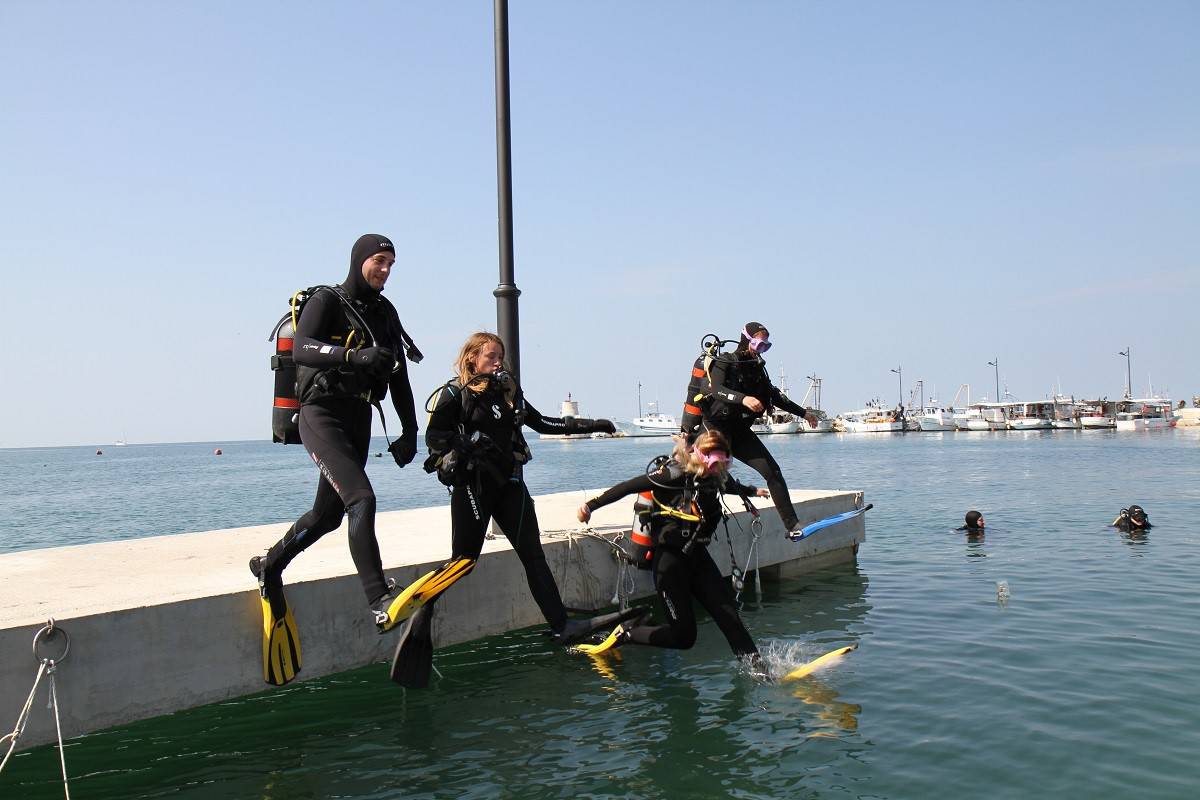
x,y
348,350
734,390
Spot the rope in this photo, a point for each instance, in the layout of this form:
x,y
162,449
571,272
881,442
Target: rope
x,y
46,667
626,581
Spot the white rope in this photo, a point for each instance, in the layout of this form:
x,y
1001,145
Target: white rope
x,y
23,717
62,755
46,666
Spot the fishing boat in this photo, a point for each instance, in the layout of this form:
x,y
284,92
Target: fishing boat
x,y
982,416
1145,414
824,423
1029,416
872,418
1097,414
1066,413
933,418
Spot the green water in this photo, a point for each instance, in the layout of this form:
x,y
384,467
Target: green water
x,y
1083,685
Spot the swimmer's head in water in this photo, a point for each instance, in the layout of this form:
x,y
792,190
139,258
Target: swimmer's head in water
x,y
974,520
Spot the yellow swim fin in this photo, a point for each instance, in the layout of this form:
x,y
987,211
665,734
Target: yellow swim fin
x,y
817,663
281,644
421,591
614,639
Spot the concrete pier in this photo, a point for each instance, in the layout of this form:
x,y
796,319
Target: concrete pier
x,y
162,624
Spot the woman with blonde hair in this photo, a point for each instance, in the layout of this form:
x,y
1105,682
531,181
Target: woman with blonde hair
x,y
681,508
477,449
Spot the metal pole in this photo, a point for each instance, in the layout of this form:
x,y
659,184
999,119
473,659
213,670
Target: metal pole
x,y
506,293
996,364
1128,371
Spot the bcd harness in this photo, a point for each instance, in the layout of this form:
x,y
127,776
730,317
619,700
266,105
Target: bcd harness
x,y
476,454
648,509
296,384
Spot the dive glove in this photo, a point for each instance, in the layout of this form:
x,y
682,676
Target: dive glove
x,y
586,425
404,449
371,359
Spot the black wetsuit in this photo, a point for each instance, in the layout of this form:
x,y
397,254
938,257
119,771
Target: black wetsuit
x,y
335,420
481,431
683,567
730,378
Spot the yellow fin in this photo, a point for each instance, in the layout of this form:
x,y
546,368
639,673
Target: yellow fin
x,y
817,663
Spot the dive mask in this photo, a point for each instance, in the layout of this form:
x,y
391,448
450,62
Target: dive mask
x,y
712,458
757,345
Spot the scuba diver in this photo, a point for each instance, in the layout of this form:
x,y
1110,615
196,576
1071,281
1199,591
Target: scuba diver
x,y
1132,520
727,392
347,341
974,523
683,509
477,449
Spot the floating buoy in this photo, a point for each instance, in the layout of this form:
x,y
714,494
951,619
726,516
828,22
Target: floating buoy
x,y
217,452
99,452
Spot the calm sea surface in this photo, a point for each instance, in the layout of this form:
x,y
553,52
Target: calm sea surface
x,y
1085,684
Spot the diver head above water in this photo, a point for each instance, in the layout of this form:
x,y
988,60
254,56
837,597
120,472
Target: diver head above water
x,y
754,339
974,522
371,261
1133,518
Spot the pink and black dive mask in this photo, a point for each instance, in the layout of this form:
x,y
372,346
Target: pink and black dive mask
x,y
711,459
756,346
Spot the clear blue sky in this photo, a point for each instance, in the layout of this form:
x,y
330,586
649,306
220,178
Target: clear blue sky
x,y
925,184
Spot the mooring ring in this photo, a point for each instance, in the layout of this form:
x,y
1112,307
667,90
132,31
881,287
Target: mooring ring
x,y
45,636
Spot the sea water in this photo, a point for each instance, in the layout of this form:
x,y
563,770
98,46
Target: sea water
x,y
1082,683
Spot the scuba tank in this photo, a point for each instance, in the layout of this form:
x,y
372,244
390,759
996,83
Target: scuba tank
x,y
641,537
285,413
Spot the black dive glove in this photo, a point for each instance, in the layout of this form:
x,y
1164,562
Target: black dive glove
x,y
404,449
371,359
585,425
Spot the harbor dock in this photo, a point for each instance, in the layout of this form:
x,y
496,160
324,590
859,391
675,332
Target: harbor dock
x,y
162,624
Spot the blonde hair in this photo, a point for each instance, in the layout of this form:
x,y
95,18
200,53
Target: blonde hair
x,y
705,443
464,365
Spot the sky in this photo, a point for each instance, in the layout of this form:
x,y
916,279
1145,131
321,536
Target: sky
x,y
924,185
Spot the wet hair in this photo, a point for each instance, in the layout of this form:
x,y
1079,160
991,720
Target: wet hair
x,y
706,443
464,365
972,520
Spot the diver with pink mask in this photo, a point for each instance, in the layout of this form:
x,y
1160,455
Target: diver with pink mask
x,y
727,393
680,507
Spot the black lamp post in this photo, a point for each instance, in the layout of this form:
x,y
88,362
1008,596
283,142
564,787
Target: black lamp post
x,y
996,364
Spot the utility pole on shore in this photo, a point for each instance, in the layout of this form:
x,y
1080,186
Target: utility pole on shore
x,y
996,364
506,293
1128,371
900,371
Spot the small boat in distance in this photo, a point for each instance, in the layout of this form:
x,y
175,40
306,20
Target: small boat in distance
x,y
655,424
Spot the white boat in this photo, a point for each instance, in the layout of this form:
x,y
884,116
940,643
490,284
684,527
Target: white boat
x,y
656,424
824,423
1029,416
932,418
774,422
873,418
1096,414
1145,414
1066,413
981,417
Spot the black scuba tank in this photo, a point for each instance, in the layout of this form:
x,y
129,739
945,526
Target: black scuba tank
x,y
285,412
